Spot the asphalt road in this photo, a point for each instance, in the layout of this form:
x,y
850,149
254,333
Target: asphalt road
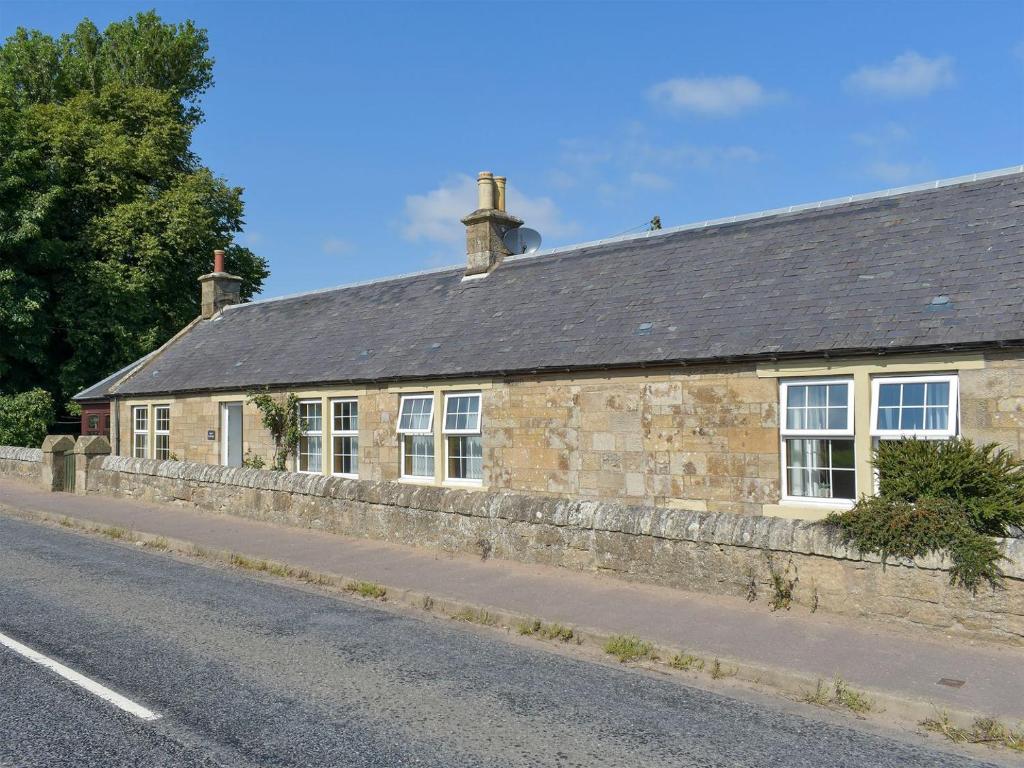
x,y
248,672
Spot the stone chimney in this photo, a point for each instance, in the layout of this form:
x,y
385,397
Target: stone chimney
x,y
219,288
486,226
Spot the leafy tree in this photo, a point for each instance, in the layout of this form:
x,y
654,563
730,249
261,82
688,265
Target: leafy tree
x,y
25,417
107,218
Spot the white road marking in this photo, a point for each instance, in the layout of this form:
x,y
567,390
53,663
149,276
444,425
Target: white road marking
x,y
80,680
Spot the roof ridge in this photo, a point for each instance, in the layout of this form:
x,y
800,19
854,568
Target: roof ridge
x,y
345,286
798,208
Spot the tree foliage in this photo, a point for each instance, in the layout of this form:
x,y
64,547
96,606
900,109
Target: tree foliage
x,y
25,417
107,218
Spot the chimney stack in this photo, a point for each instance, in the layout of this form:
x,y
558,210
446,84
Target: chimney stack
x,y
487,225
219,289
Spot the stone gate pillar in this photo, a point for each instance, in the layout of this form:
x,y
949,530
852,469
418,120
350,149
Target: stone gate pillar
x,y
54,448
87,449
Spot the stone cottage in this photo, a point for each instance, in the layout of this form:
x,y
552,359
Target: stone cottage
x,y
743,365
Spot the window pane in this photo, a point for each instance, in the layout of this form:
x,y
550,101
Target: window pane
x,y
795,418
936,418
419,456
888,418
844,484
817,395
888,395
912,418
163,447
816,418
913,394
837,418
797,396
938,393
140,447
837,394
842,454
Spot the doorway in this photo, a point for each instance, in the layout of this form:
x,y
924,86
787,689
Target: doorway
x,y
231,431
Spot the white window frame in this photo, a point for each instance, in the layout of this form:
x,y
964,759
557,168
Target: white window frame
x,y
786,433
479,413
136,431
157,432
952,415
461,433
304,433
403,433
784,386
401,408
345,433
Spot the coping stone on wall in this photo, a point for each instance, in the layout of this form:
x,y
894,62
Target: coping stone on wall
x,y
16,453
771,533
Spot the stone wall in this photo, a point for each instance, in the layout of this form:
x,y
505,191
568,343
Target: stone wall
x,y
707,552
703,438
21,463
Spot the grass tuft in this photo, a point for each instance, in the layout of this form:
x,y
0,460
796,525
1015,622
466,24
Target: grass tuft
x,y
628,648
984,730
476,616
538,628
686,661
158,543
367,589
838,694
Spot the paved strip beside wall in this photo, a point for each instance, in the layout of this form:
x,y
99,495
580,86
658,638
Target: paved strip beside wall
x,y
714,553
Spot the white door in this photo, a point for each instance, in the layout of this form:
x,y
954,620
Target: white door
x,y
231,434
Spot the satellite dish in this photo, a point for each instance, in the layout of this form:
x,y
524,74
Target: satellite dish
x,y
522,240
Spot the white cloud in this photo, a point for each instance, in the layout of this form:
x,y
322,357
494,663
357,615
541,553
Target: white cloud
x,y
436,216
648,180
709,95
909,74
335,246
884,136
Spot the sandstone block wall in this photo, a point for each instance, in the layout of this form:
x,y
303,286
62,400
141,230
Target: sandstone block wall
x,y
703,438
21,463
702,551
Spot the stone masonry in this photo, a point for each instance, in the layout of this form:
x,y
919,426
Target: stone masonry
x,y
701,438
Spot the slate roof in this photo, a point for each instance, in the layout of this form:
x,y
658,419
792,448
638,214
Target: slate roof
x,y
924,269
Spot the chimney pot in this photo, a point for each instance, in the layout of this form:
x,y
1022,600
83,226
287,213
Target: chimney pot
x,y
219,289
485,191
499,192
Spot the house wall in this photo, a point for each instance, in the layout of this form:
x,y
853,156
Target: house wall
x,y
701,438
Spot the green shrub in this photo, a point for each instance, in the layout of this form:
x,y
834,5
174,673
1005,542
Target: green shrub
x,y
987,481
949,497
894,528
25,417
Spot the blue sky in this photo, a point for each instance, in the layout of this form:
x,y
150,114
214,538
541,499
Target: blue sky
x,y
356,129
